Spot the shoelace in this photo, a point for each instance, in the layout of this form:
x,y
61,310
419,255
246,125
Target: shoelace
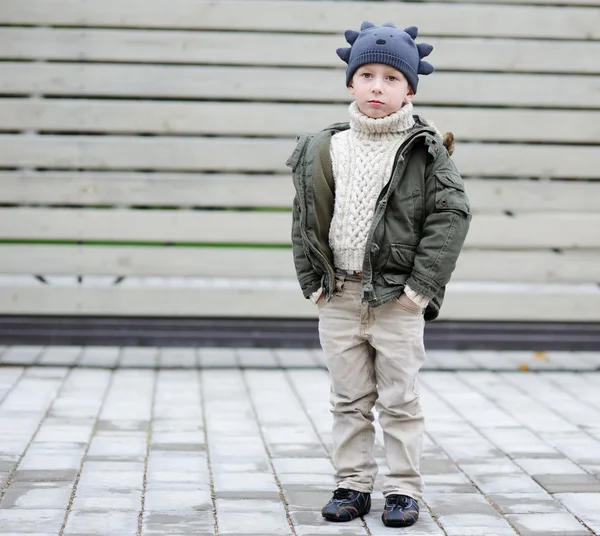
x,y
341,493
398,500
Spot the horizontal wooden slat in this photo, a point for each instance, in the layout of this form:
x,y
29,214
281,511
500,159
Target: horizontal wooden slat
x,y
280,119
570,3
307,16
461,303
220,48
473,265
530,230
226,190
162,189
269,155
288,84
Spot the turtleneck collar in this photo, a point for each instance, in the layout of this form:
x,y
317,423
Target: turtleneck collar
x,y
366,126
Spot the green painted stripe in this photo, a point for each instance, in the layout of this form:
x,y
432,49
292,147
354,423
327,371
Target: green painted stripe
x,y
142,244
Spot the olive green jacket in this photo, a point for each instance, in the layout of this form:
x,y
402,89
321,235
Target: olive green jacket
x,y
420,223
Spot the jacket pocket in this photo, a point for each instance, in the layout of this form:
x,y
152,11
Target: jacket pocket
x,y
450,194
400,263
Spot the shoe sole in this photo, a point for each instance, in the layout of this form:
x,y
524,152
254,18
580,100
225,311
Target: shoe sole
x,y
333,518
397,524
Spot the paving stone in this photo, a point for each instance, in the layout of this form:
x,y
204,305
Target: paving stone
x,y
133,425
107,499
18,425
122,466
584,506
163,477
178,462
297,450
577,483
307,500
467,515
39,462
177,357
547,525
245,482
437,466
38,495
63,434
500,466
14,446
526,503
256,357
179,522
102,522
31,520
50,475
217,357
99,356
248,495
475,525
240,467
60,355
224,506
312,523
303,465
277,435
556,466
267,523
295,358
455,482
117,448
111,479
177,498
21,355
507,484
318,481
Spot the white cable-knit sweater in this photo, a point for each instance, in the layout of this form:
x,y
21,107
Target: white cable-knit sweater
x,y
362,159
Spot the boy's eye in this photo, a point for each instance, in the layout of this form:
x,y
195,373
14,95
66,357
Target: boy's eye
x,y
392,78
367,75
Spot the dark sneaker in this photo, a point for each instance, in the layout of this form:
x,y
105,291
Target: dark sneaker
x,y
346,504
400,511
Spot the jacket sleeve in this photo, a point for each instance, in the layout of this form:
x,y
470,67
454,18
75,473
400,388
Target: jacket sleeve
x,y
445,228
309,279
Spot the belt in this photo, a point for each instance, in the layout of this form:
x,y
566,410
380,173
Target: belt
x,y
349,273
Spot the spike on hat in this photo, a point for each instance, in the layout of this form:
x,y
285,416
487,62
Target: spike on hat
x,y
413,31
351,36
424,49
388,45
344,54
425,68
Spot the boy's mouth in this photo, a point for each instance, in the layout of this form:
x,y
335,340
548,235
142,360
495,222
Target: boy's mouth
x,y
375,102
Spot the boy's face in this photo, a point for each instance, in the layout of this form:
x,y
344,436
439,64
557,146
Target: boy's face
x,y
380,90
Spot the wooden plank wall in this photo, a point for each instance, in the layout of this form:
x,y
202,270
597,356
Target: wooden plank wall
x,y
143,147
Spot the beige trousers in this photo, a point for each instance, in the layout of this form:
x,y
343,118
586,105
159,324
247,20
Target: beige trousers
x,y
373,356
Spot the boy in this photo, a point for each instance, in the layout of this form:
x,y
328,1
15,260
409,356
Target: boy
x,y
379,219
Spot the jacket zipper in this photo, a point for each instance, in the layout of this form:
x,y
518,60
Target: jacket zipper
x,y
325,263
383,193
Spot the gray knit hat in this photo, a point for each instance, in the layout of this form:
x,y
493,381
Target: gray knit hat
x,y
386,44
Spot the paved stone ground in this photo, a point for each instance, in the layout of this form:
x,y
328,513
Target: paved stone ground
x,y
237,442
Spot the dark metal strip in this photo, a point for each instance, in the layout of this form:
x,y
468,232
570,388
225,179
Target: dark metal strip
x,y
281,333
